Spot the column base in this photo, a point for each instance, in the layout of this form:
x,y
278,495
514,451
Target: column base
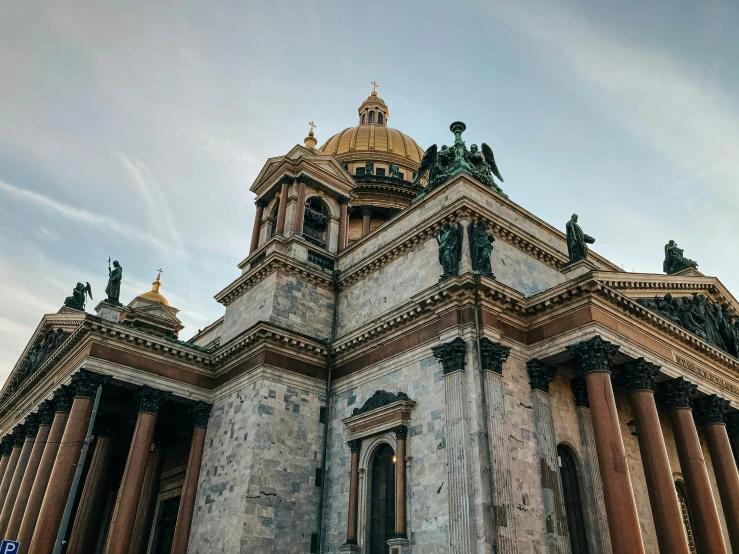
x,y
350,548
399,545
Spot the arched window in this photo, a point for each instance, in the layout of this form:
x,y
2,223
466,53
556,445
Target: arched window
x,y
573,501
371,118
382,500
687,522
315,222
379,118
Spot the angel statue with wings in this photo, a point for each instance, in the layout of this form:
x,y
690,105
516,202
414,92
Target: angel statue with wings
x,y
79,296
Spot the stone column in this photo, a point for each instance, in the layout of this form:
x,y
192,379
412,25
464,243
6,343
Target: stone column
x,y
18,438
555,517
639,377
299,208
30,426
282,209
87,518
493,357
401,434
63,404
355,447
260,204
594,360
677,395
461,524
592,469
6,447
148,500
45,419
344,223
201,413
124,516
710,412
85,384
732,428
366,218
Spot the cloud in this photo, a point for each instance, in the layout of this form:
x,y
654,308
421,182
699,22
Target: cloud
x,y
81,216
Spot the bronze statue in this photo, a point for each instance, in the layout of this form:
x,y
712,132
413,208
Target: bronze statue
x,y
481,247
450,249
577,241
78,298
674,259
113,290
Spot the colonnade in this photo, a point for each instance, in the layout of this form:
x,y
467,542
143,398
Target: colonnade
x,y
40,456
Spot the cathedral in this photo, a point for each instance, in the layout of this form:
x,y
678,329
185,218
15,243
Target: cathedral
x,y
407,362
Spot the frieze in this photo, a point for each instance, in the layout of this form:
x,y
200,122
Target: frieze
x,y
705,374
379,399
41,351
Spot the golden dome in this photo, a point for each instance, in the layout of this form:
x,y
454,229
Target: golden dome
x,y
373,135
154,295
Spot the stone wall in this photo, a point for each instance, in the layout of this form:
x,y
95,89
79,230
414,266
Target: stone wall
x,y
257,490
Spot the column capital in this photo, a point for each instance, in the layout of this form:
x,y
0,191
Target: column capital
x,y
367,211
31,424
710,409
260,203
6,445
580,391
639,375
201,413
451,355
355,445
344,200
85,383
593,354
493,355
149,399
19,434
732,425
286,179
677,393
401,432
540,374
46,411
63,397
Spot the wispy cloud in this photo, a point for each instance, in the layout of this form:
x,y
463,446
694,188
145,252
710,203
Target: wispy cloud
x,y
79,215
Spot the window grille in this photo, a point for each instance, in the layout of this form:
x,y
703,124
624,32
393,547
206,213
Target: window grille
x,y
382,500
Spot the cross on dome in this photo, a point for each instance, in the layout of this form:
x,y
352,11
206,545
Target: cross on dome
x,y
374,87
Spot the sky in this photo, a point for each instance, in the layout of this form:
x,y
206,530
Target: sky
x,y
134,130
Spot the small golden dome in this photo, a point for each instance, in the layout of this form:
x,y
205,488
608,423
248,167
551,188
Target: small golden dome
x,y
154,295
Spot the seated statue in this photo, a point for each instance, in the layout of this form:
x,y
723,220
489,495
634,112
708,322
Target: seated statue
x,y
674,259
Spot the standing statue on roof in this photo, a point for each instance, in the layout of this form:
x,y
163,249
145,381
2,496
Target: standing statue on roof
x,y
577,241
113,290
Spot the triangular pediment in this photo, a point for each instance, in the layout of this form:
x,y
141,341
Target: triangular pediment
x,y
50,335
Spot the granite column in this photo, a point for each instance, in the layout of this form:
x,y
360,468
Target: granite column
x,y
260,204
732,428
355,447
6,448
62,404
366,219
201,414
639,376
30,426
710,412
677,396
299,208
594,362
124,516
282,208
343,223
17,439
85,384
555,518
401,434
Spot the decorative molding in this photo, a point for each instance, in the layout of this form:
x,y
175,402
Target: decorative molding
x,y
401,432
19,434
494,355
710,409
85,383
639,375
31,423
379,399
677,393
46,411
6,445
355,445
385,418
150,400
451,355
540,374
732,425
201,413
580,392
594,354
63,398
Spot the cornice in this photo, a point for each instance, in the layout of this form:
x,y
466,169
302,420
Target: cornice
x,y
274,261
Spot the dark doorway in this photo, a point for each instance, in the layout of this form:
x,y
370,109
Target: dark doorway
x,y
165,525
573,502
382,500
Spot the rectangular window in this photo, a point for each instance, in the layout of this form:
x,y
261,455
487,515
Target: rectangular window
x,y
319,477
359,171
314,543
380,172
323,415
401,175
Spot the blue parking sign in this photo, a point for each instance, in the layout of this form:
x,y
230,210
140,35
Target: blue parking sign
x,y
8,547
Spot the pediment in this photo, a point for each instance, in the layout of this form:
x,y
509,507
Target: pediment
x,y
50,335
382,412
